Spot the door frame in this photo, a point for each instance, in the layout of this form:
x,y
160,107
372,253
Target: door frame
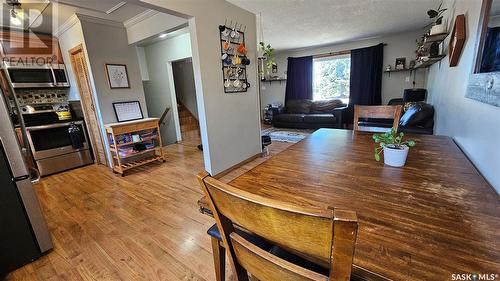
x,y
73,51
173,97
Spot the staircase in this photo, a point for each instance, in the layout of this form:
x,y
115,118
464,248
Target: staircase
x,y
190,128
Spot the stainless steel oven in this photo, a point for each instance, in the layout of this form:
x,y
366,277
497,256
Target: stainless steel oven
x,y
53,147
37,76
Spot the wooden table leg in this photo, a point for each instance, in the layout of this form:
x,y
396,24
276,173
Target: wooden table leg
x,y
219,260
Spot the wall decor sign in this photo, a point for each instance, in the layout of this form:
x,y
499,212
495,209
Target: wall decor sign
x,y
117,76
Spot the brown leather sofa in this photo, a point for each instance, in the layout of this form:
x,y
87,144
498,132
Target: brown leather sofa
x,y
308,114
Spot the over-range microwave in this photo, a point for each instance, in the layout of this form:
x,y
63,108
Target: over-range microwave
x,y
37,76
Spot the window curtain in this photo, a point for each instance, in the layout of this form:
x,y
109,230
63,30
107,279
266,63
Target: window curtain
x,y
299,84
366,77
491,52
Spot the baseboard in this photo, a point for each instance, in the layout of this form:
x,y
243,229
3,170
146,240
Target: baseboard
x,y
234,167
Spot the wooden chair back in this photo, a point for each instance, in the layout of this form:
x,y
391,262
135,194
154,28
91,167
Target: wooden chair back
x,y
377,111
324,236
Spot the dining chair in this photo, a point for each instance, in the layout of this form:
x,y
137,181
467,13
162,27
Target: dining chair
x,y
376,112
306,239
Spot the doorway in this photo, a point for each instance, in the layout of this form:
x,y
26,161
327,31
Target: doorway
x,y
185,94
80,69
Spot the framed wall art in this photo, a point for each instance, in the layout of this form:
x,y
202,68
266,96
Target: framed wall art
x,y
117,76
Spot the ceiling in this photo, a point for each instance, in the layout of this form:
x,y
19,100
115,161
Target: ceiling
x,y
57,12
295,24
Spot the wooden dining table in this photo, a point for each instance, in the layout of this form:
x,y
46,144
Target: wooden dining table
x,y
436,218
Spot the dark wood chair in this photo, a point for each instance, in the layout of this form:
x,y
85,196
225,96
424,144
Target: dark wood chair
x,y
324,237
374,112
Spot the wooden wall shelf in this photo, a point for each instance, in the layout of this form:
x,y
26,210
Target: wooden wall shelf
x,y
149,127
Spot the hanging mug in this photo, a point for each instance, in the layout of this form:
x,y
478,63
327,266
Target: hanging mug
x,y
236,60
224,56
226,45
226,32
227,84
237,83
222,28
246,85
228,61
242,49
247,61
234,33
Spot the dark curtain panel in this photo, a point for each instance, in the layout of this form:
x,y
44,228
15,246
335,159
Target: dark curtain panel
x,y
491,53
299,84
366,77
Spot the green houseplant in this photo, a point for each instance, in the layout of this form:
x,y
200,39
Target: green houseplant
x,y
268,56
394,147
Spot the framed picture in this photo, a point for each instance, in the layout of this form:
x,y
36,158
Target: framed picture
x,y
400,63
117,76
128,111
457,40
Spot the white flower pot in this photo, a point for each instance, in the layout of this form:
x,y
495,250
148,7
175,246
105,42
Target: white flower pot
x,y
439,28
395,157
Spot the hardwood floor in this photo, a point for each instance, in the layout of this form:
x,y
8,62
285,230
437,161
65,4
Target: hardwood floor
x,y
145,226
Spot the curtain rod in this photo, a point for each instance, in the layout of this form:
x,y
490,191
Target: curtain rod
x,y
338,53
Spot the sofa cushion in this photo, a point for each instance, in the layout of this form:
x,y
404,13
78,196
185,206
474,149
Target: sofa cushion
x,y
298,106
320,118
325,106
417,115
290,118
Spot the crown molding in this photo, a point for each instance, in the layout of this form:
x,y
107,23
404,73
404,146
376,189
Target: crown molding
x,y
140,17
92,19
69,23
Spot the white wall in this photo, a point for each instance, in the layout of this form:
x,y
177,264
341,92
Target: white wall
x,y
68,39
230,125
158,88
398,45
108,44
150,24
472,124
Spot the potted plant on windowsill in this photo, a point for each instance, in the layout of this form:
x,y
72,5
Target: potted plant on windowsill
x,y
394,148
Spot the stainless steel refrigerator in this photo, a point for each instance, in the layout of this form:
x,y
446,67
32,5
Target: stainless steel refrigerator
x,y
24,235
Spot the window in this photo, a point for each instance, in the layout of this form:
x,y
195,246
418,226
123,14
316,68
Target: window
x,y
331,78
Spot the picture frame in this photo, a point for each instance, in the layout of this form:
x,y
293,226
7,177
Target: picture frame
x,y
457,40
117,75
400,63
128,111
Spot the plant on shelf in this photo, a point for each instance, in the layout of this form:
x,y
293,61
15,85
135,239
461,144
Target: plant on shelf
x,y
437,14
395,149
437,26
268,56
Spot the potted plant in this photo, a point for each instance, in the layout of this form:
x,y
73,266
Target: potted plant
x,y
394,148
268,60
438,26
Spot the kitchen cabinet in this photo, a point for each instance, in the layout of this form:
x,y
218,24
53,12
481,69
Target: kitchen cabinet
x,y
29,48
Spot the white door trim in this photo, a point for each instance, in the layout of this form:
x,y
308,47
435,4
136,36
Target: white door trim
x,y
173,96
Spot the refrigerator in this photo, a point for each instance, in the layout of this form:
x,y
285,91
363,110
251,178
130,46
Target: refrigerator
x,y
24,235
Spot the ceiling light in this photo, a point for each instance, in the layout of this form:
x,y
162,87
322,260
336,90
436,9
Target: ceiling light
x,y
163,35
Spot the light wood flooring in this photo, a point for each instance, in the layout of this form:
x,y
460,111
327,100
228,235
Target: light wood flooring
x,y
144,226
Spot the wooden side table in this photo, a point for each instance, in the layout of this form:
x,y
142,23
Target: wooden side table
x,y
125,137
